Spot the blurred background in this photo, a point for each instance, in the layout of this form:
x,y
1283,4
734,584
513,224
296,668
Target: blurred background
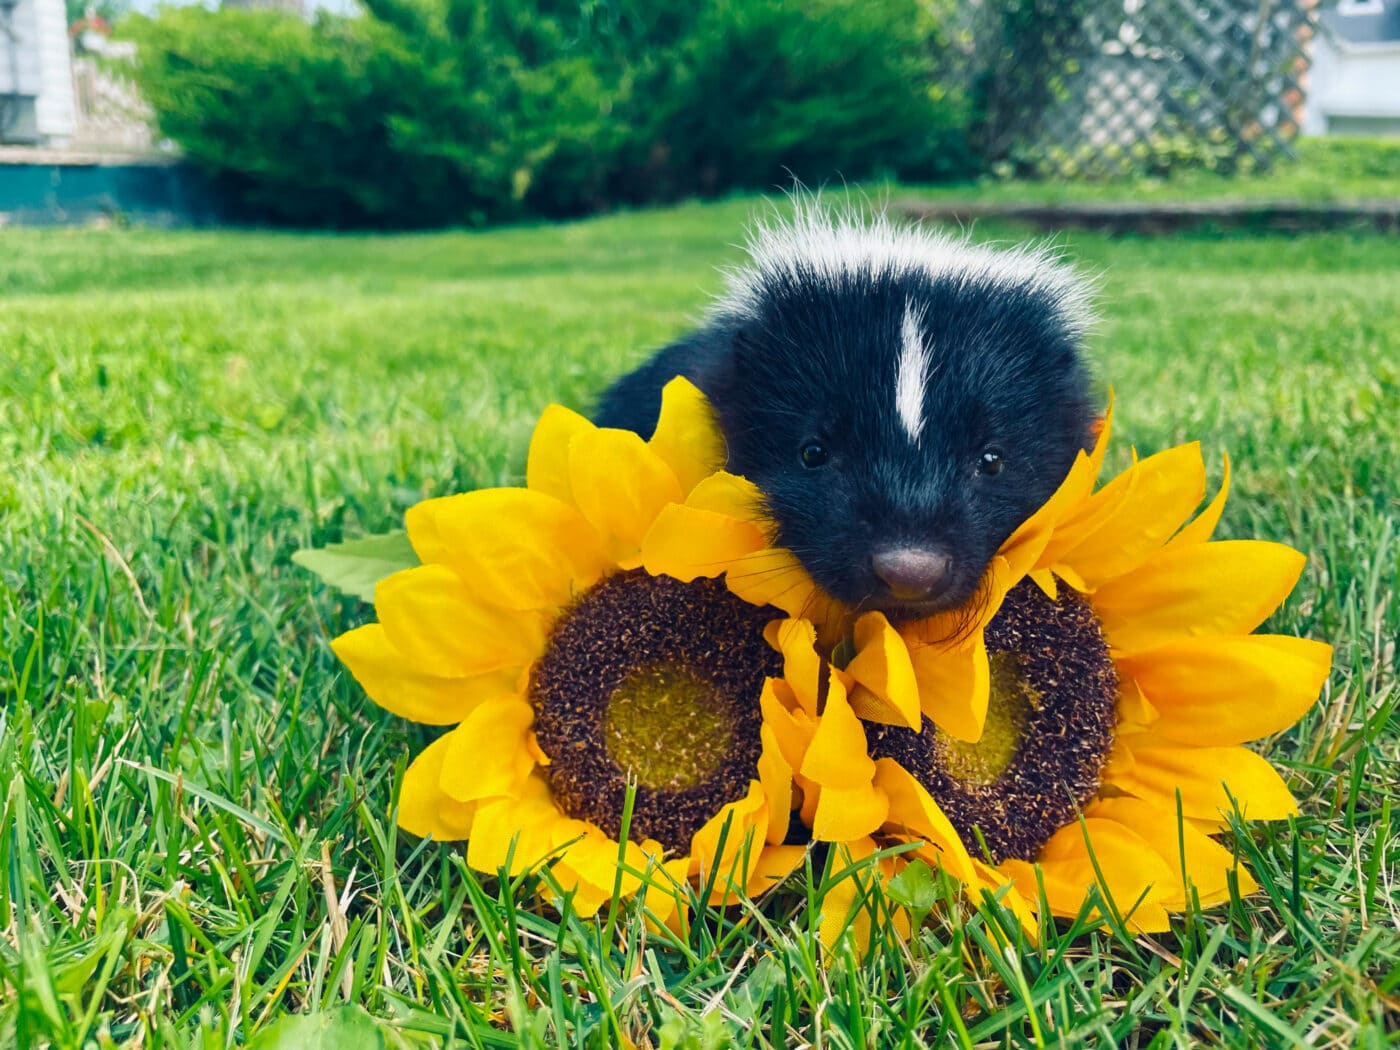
x,y
424,113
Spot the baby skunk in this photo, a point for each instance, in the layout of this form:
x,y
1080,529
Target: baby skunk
x,y
903,399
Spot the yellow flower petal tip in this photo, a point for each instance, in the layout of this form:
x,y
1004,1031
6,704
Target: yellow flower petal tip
x,y
687,437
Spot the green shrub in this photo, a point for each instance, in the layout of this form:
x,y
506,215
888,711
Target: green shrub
x,y
760,91
430,112
410,115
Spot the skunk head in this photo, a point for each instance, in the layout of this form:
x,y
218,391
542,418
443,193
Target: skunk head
x,y
904,400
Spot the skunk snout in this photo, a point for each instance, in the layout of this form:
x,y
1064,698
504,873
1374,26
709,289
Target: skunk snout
x,y
913,574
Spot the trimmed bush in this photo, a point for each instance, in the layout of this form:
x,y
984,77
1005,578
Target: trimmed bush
x,y
433,112
405,117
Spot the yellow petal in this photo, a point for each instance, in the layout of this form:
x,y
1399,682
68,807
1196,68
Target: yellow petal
x,y
1147,505
514,548
547,469
524,830
719,523
883,666
1208,778
914,813
775,577
802,667
775,863
1209,827
837,754
594,867
714,847
1029,540
1120,762
383,672
792,729
1229,689
729,843
1101,436
665,904
1084,518
687,436
442,630
685,542
665,888
1135,876
421,521
1135,711
848,901
1065,898
775,775
1068,574
588,870
871,708
954,685
1045,580
956,626
1002,888
1207,864
843,814
620,485
730,495
838,903
1227,587
423,807
489,755
807,793
1201,529
1025,547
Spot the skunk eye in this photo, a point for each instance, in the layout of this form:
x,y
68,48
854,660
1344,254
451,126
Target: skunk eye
x,y
990,462
813,455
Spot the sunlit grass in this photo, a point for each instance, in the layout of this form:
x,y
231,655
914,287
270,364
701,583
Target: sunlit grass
x,y
1324,169
197,835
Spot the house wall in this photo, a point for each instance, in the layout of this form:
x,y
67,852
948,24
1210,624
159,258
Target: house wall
x,y
1353,87
54,108
36,66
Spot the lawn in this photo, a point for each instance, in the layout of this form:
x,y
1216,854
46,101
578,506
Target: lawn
x,y
196,839
1324,169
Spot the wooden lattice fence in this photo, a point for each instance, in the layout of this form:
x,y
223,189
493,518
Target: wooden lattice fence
x,y
1108,87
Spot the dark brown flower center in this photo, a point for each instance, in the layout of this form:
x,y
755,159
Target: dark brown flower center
x,y
658,680
1048,734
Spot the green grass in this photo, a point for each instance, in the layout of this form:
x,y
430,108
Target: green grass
x,y
196,836
1326,169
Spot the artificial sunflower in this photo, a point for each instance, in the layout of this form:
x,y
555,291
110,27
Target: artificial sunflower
x,y
1109,689
569,672
845,796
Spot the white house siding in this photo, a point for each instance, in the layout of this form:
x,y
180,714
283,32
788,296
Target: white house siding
x,y
53,110
35,66
19,58
1353,88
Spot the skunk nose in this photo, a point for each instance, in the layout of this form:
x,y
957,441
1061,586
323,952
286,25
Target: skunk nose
x,y
913,574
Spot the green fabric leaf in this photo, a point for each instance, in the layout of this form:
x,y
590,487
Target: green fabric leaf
x,y
355,566
346,1028
915,888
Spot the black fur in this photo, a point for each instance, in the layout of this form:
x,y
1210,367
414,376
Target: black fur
x,y
806,354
